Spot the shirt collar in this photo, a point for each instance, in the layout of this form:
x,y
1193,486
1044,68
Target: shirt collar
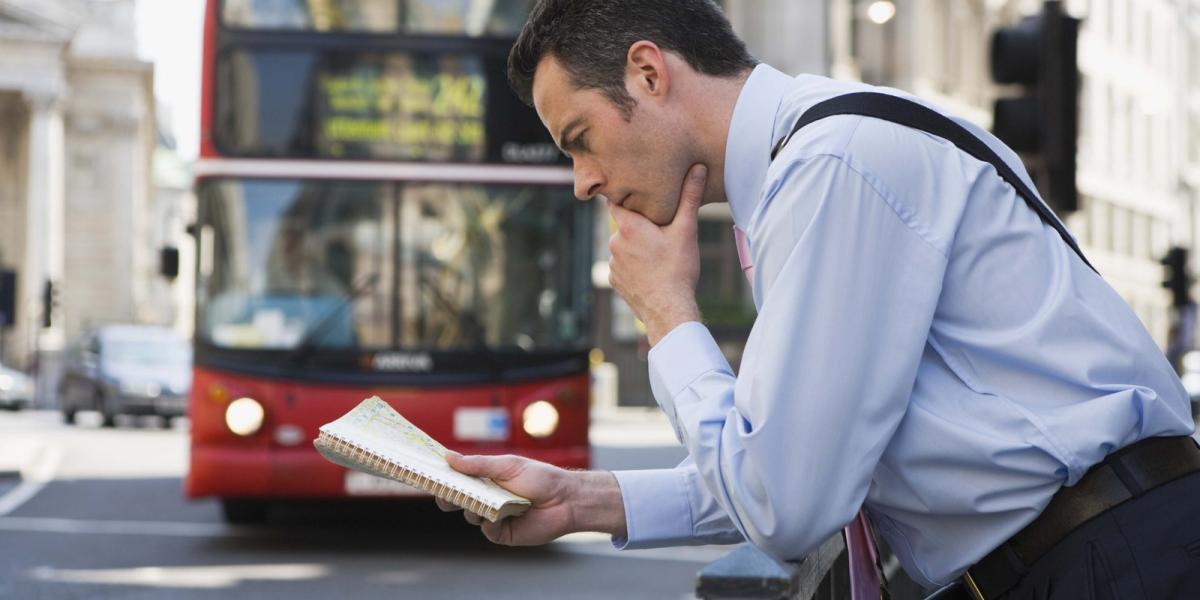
x,y
751,136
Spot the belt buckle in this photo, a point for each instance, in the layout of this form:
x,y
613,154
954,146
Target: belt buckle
x,y
972,587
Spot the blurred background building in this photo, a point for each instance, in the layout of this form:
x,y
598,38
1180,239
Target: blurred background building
x,y
89,189
92,186
1138,124
1138,169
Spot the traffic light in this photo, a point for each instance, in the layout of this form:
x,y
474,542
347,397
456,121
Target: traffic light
x,y
8,298
168,262
49,303
1179,279
1042,123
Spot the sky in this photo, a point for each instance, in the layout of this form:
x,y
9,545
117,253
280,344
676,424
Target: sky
x,y
169,34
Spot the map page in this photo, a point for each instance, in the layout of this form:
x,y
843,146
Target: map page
x,y
376,427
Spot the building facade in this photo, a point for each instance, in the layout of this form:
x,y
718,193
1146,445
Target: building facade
x,y
1138,146
77,176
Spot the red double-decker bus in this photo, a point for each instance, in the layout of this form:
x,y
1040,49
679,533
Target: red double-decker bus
x,y
378,214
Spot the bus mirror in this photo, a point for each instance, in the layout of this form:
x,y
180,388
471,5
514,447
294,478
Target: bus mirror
x,y
168,262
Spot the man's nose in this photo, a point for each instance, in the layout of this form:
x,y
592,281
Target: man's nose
x,y
588,181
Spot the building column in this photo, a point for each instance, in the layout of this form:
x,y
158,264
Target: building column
x,y
790,35
44,230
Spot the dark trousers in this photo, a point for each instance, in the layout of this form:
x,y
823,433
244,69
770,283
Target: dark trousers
x,y
1148,548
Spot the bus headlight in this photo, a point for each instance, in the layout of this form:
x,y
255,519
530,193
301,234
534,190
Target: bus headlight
x,y
540,419
244,416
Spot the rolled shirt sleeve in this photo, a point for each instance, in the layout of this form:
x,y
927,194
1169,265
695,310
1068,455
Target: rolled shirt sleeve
x,y
787,449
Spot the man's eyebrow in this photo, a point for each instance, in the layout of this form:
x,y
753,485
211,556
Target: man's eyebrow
x,y
566,132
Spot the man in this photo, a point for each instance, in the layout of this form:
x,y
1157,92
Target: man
x,y
927,347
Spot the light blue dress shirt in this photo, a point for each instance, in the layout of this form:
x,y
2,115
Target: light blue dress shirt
x,y
924,344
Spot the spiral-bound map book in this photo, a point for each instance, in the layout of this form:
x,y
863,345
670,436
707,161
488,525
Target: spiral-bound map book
x,y
376,439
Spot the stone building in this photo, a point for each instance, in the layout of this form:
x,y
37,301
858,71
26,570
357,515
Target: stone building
x,y
77,177
171,302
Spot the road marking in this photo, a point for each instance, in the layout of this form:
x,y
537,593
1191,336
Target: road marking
x,y
33,478
113,527
593,544
205,577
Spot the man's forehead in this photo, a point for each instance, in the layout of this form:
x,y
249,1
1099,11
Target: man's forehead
x,y
553,94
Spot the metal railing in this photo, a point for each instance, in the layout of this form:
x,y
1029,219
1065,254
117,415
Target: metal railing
x,y
747,572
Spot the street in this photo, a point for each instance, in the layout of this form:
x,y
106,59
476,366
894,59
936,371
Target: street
x,y
87,512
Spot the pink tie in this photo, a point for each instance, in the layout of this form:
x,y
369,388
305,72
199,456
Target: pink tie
x,y
860,544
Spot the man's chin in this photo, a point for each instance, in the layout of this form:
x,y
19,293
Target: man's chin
x,y
662,219
656,214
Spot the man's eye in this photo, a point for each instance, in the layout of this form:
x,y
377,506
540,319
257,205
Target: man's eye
x,y
579,144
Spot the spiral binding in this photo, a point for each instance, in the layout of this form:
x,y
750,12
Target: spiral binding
x,y
378,463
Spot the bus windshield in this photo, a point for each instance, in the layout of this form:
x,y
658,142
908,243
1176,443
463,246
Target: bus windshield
x,y
471,18
390,266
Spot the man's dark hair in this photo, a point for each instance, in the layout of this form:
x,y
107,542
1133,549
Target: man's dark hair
x,y
591,39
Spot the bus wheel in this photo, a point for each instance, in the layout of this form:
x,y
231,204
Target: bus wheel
x,y
243,512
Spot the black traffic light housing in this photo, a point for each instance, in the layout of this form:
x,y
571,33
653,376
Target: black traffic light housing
x,y
1042,124
1178,276
168,262
8,298
49,303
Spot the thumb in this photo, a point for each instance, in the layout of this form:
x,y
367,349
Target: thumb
x,y
492,467
690,197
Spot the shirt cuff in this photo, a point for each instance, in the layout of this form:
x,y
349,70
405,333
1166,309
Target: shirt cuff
x,y
680,358
657,510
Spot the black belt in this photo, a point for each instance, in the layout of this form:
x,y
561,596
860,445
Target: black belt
x,y
1124,475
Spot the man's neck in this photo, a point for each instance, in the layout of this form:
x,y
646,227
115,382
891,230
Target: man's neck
x,y
715,99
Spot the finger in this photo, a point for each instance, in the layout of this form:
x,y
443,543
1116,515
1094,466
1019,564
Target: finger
x,y
499,532
472,518
690,198
446,506
628,221
499,468
622,217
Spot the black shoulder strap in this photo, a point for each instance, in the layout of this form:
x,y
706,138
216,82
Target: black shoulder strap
x,y
911,114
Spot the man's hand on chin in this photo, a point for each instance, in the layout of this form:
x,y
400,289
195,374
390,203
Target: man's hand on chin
x,y
655,268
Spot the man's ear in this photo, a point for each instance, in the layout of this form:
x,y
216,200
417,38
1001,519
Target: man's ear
x,y
646,70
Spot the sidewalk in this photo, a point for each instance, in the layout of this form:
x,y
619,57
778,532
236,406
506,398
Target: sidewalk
x,y
18,447
631,427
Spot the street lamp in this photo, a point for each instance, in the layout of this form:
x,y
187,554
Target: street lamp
x,y
874,43
881,11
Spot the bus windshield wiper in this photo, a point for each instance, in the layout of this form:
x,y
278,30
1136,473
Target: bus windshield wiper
x,y
308,344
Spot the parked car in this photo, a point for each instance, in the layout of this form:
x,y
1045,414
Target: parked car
x,y
127,370
16,389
